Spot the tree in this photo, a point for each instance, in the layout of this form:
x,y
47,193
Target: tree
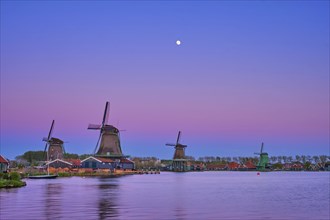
x,y
84,156
71,156
285,159
31,156
323,158
273,159
307,165
298,158
191,158
316,159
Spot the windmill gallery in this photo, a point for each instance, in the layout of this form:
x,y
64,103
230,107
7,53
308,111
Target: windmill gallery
x,y
108,154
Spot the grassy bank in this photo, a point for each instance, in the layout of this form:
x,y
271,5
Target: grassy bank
x,y
11,180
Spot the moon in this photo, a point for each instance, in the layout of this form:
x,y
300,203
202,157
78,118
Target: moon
x,y
178,42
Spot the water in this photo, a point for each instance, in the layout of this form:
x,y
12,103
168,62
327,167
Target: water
x,y
199,195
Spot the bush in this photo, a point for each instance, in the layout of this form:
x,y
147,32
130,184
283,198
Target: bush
x,y
64,174
11,183
15,176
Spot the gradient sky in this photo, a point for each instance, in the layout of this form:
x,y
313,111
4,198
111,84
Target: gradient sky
x,y
246,72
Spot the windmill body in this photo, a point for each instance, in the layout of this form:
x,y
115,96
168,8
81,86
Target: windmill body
x,y
263,164
55,149
179,163
108,144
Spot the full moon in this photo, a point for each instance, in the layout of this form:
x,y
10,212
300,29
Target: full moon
x,y
178,42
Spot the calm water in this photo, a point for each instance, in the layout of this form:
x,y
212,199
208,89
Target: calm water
x,y
202,195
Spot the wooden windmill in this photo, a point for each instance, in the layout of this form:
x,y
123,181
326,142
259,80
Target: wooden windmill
x,y
108,143
54,146
263,159
179,159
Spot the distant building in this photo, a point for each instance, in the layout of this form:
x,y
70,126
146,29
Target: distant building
x,y
107,163
248,166
4,164
233,166
327,166
287,166
212,166
297,167
59,164
76,163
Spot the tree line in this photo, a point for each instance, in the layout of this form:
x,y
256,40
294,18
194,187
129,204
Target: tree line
x,y
272,159
33,157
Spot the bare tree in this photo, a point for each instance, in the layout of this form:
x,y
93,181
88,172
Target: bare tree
x,y
316,159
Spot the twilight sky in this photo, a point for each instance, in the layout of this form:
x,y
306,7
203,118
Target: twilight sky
x,y
246,72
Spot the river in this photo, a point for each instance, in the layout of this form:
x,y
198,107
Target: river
x,y
192,195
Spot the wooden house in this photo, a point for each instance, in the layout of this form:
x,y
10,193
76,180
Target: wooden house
x,y
4,164
107,163
58,163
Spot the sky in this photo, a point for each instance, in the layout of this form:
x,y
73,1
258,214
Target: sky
x,y
246,72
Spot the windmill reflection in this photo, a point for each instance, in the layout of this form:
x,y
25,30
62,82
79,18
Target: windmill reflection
x,y
108,197
53,208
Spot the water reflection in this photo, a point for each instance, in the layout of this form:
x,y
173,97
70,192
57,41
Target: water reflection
x,y
52,202
108,198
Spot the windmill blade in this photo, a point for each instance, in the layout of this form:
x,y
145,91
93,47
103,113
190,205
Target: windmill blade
x,y
97,144
51,130
106,114
169,144
178,139
262,147
94,127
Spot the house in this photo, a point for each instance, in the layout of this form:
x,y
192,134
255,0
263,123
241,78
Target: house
x,y
297,167
4,164
76,163
248,166
58,163
196,166
233,166
242,167
327,166
98,163
107,163
217,166
127,164
287,166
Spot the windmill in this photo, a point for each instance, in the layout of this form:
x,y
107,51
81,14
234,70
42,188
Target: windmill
x,y
54,146
108,143
263,159
179,158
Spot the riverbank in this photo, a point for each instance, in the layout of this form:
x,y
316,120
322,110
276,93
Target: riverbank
x,y
11,183
11,180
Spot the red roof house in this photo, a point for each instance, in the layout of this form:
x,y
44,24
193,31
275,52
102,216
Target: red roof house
x,y
233,166
4,164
